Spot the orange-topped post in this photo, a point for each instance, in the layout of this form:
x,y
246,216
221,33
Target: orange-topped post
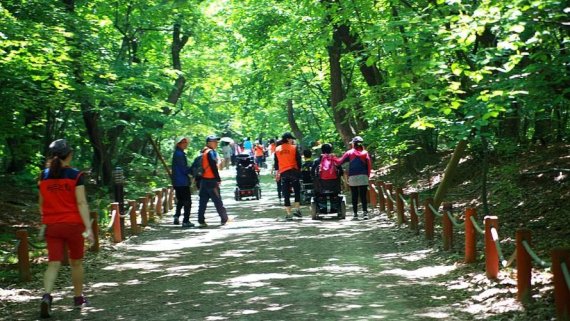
x,y
381,197
470,236
144,215
428,218
561,291
389,204
447,227
491,253
117,235
524,266
23,256
414,200
400,206
133,217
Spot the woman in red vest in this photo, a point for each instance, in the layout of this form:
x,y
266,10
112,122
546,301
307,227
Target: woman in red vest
x,y
65,215
288,167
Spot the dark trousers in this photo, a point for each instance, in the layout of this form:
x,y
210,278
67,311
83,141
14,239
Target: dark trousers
x,y
288,179
359,191
183,201
209,189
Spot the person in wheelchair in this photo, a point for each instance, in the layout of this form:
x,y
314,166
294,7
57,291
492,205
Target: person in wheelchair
x,y
326,180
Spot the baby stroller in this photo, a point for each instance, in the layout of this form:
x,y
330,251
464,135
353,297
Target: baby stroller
x,y
328,198
306,183
247,178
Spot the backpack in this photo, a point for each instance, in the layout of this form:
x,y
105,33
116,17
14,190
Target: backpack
x,y
327,168
196,169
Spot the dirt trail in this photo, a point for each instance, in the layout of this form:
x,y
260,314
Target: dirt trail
x,y
256,268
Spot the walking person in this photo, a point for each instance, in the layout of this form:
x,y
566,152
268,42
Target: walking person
x,y
227,151
181,183
210,183
288,165
65,219
359,170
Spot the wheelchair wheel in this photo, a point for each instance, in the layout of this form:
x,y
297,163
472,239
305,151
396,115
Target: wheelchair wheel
x,y
342,211
314,214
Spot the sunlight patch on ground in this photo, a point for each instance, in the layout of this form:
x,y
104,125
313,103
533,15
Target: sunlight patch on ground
x,y
132,266
263,261
434,315
256,280
421,273
103,284
184,268
335,269
409,256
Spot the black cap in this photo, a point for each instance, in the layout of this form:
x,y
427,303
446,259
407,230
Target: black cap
x,y
287,135
59,148
326,148
212,138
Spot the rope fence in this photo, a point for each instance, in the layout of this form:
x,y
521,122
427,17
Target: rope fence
x,y
524,255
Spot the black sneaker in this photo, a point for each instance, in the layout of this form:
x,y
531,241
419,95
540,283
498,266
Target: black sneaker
x,y
176,221
187,224
203,225
365,217
45,306
355,217
80,302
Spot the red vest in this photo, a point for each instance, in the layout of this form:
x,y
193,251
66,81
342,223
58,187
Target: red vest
x,y
59,203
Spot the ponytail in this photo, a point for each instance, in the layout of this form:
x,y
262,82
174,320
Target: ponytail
x,y
54,165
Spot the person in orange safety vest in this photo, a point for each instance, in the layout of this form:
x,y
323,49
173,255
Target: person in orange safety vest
x,y
288,167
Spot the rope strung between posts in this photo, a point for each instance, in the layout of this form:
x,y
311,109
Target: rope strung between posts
x,y
535,257
566,274
387,194
36,246
416,208
112,221
495,236
435,212
454,222
403,199
476,226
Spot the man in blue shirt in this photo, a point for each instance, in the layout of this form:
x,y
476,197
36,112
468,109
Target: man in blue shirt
x,y
181,182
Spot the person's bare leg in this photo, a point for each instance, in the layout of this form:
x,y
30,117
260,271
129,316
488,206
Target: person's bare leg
x,y
51,275
77,276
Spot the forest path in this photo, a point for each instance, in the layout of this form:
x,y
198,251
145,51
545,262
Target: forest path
x,y
257,268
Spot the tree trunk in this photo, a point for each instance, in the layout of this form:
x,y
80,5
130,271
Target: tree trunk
x,y
337,93
293,123
101,153
449,172
178,43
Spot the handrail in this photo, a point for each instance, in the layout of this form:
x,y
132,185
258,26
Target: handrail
x,y
535,257
403,199
434,211
476,226
566,274
495,236
36,246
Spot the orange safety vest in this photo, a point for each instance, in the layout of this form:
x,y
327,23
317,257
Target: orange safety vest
x,y
258,151
286,157
208,172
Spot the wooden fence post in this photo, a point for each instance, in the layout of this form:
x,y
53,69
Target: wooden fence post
x,y
165,208
117,235
372,195
470,236
414,199
524,266
400,206
170,197
447,227
561,291
95,227
150,198
382,199
428,218
389,203
23,256
158,203
491,254
133,217
144,217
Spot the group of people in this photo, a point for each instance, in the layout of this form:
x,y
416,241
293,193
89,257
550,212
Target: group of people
x,y
65,213
288,172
